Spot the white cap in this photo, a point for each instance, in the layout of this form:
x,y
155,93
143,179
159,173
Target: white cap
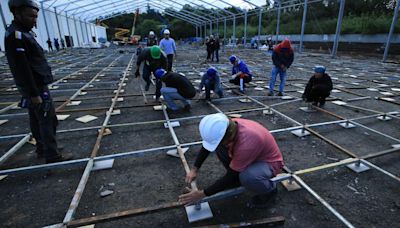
x,y
212,130
166,31
151,33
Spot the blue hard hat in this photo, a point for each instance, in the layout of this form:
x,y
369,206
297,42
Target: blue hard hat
x,y
233,58
319,69
160,73
212,71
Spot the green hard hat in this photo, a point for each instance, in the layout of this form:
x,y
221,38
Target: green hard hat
x,y
155,52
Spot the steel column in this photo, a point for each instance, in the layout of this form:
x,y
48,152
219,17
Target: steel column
x,y
303,25
245,27
259,25
223,43
234,29
3,19
76,31
45,21
278,21
69,31
58,23
387,46
338,28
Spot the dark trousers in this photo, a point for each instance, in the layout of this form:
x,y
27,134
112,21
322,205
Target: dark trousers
x,y
236,80
170,58
318,94
146,77
209,53
215,54
43,123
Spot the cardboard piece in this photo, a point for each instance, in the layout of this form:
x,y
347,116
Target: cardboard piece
x,y
395,89
62,117
336,91
118,99
260,82
88,226
290,185
373,89
121,91
245,100
258,88
2,177
82,93
114,112
339,102
174,152
74,103
32,141
157,108
86,118
235,115
287,98
387,99
197,215
173,124
386,93
106,132
3,121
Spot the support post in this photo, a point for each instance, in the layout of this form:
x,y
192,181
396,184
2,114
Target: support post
x,y
211,30
234,29
76,31
395,15
278,21
58,23
205,30
303,25
83,34
69,31
45,20
3,19
259,25
223,43
245,27
338,28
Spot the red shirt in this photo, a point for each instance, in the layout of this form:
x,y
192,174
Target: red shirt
x,y
254,143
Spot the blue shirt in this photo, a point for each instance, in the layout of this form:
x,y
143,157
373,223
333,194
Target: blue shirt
x,y
168,46
241,67
211,80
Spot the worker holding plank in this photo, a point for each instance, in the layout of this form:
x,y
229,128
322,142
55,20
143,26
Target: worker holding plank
x,y
248,152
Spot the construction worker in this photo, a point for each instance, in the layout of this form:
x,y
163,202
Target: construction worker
x,y
240,73
167,44
177,87
282,58
152,39
32,74
216,48
248,152
153,59
56,44
211,81
318,87
49,45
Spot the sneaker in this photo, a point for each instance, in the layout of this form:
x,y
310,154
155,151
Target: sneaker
x,y
147,87
263,200
271,93
60,158
280,94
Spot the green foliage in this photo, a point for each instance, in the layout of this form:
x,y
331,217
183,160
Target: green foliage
x,y
148,25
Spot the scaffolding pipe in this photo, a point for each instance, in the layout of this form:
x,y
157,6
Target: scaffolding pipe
x,y
338,28
303,25
45,21
392,27
3,19
278,21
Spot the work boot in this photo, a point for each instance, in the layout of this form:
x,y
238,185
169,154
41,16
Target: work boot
x,y
280,94
187,108
146,88
263,200
315,103
271,93
40,154
60,158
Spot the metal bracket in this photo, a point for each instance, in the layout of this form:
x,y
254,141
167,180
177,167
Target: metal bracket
x,y
347,125
300,132
358,167
105,164
198,212
384,118
174,152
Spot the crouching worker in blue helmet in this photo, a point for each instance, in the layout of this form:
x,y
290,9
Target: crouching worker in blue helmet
x,y
240,72
177,87
246,149
153,58
318,87
211,81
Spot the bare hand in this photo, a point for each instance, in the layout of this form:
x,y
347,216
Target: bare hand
x,y
36,100
191,197
191,176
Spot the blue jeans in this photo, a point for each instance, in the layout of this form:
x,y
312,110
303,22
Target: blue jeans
x,y
255,178
170,94
213,86
274,73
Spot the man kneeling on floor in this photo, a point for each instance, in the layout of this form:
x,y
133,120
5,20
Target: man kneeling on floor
x,y
318,87
211,81
248,152
177,87
240,73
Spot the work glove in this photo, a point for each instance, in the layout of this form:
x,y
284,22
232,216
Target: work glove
x,y
137,74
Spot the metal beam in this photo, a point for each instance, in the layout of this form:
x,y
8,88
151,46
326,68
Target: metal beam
x,y
303,25
45,21
338,28
392,27
278,20
3,19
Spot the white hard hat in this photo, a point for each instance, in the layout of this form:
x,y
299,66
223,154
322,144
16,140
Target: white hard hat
x,y
151,33
212,130
166,31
